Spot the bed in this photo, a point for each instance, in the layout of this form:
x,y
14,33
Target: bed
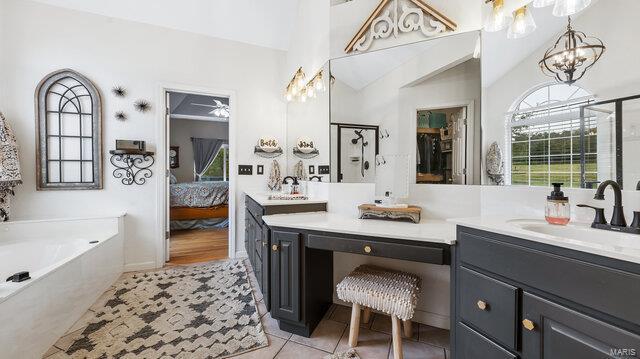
x,y
198,201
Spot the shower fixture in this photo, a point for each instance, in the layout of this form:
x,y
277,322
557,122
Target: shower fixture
x,y
364,165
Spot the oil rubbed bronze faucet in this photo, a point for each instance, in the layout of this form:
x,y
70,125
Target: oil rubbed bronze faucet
x,y
618,214
618,222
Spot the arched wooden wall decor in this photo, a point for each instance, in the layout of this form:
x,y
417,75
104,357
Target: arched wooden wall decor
x,y
68,132
392,17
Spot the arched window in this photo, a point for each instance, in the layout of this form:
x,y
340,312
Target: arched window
x,y
544,136
69,129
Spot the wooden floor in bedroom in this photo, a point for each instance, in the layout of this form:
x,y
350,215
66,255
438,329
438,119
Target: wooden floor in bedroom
x,y
198,245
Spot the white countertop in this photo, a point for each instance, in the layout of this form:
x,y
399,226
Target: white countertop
x,y
575,236
579,236
434,231
263,199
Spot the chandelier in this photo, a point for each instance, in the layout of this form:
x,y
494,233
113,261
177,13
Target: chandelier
x,y
571,56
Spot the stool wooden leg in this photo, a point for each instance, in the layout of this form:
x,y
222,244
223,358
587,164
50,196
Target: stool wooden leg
x,y
408,329
396,334
366,315
354,327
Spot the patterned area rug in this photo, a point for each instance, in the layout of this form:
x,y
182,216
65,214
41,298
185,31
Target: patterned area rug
x,y
205,311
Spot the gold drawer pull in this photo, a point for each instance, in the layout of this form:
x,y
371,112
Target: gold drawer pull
x,y
482,305
528,325
274,247
367,249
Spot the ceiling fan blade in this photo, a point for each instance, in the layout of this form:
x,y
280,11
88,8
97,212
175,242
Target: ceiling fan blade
x,y
205,105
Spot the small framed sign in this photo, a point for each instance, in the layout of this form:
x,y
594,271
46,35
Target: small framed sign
x,y
174,156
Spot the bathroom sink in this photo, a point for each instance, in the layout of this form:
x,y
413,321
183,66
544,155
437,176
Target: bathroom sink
x,y
580,232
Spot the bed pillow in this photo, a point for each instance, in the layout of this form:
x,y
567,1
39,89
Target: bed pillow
x,y
172,179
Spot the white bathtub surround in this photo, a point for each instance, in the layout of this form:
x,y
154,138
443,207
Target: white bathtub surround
x,y
576,236
67,275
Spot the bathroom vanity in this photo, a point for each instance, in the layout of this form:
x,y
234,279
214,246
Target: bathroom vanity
x,y
524,298
256,238
515,292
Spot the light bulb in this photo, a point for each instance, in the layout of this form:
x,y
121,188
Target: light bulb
x,y
569,7
300,82
294,90
522,25
289,97
498,19
543,3
319,84
310,92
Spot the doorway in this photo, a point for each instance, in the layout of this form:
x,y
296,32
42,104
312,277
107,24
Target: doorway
x,y
199,211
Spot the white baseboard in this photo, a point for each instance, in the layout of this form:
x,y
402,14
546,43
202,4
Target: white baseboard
x,y
241,254
134,267
420,316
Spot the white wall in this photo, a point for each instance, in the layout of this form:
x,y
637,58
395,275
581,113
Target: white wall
x,y
615,75
38,39
181,132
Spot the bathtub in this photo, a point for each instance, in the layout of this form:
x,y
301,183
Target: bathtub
x,y
71,263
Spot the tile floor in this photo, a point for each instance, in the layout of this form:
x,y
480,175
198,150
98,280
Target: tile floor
x,y
331,336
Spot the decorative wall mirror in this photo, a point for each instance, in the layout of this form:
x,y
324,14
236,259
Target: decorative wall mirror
x,y
69,132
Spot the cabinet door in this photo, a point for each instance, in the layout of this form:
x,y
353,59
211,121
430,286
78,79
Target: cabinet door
x,y
556,332
285,275
266,259
249,236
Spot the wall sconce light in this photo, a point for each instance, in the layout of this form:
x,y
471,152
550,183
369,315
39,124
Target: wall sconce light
x,y
300,90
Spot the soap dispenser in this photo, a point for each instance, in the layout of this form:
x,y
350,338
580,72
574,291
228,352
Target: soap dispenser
x,y
558,210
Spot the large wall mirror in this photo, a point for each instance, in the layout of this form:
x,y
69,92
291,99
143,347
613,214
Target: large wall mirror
x,y
420,99
548,131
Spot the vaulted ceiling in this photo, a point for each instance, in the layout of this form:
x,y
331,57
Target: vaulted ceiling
x,y
267,23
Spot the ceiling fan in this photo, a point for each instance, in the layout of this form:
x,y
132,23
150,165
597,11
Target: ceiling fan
x,y
219,109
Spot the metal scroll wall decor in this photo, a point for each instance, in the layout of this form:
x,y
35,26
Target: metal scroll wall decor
x,y
69,132
133,167
392,17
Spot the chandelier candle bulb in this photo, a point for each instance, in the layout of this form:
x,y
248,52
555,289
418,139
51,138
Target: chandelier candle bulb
x,y
498,18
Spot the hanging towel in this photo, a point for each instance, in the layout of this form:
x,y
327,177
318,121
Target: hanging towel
x,y
9,167
275,178
299,171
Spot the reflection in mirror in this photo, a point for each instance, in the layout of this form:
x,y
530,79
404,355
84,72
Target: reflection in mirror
x,y
308,131
579,134
420,100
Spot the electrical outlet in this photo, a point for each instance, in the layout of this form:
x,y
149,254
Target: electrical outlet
x,y
245,170
260,169
323,170
312,169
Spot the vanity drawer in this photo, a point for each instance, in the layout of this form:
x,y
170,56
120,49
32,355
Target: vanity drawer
x,y
489,305
614,291
378,249
473,345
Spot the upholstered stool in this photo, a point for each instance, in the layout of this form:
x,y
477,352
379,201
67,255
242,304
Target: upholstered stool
x,y
390,292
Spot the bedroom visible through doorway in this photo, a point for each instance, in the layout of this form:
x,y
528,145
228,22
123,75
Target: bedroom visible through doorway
x,y
198,127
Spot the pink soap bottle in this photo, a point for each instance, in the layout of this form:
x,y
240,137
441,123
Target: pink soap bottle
x,y
557,210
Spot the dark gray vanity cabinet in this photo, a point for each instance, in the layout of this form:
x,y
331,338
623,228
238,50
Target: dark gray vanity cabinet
x,y
285,275
514,298
257,241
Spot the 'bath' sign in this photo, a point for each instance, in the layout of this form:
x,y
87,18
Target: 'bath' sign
x,y
268,144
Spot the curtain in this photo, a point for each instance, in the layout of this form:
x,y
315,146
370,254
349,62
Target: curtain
x,y
204,151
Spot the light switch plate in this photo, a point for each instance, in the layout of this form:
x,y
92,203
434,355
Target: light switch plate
x,y
260,169
312,169
323,170
245,170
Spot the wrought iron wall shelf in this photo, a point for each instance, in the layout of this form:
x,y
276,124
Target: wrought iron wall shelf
x,y
134,167
305,155
262,153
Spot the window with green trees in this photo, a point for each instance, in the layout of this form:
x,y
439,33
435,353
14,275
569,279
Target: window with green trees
x,y
546,143
218,170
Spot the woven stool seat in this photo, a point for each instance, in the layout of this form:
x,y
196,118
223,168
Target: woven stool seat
x,y
391,292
